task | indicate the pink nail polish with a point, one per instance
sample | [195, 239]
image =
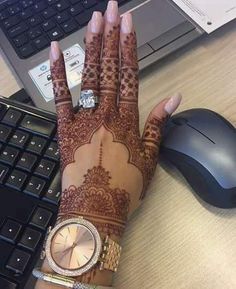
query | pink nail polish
[126, 23]
[96, 22]
[55, 50]
[112, 11]
[173, 103]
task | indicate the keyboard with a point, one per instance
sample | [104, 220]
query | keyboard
[29, 188]
[30, 25]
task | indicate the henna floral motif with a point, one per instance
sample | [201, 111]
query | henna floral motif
[95, 199]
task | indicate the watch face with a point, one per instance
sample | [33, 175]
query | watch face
[72, 246]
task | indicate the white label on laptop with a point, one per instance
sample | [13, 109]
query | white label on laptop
[209, 14]
[74, 61]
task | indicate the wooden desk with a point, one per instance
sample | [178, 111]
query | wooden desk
[174, 241]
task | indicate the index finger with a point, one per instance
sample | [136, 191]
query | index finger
[63, 100]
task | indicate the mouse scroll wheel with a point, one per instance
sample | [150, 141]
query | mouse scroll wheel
[179, 121]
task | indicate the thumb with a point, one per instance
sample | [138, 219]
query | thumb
[156, 121]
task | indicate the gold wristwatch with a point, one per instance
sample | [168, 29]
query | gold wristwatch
[75, 246]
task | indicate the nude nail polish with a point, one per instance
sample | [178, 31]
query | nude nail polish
[173, 103]
[96, 22]
[126, 23]
[112, 11]
[55, 50]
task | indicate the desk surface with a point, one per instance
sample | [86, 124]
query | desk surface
[174, 241]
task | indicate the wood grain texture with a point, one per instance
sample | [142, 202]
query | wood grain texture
[175, 241]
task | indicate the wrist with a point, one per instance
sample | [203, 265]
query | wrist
[95, 276]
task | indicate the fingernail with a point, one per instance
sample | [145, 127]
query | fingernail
[96, 22]
[173, 103]
[126, 23]
[55, 50]
[112, 11]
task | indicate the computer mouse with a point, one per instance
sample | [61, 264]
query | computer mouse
[201, 144]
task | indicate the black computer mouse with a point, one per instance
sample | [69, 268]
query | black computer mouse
[202, 145]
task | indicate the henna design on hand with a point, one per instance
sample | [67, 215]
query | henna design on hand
[96, 200]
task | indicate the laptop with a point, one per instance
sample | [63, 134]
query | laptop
[28, 26]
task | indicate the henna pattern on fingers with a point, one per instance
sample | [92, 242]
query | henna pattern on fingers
[91, 71]
[109, 79]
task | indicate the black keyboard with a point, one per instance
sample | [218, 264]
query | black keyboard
[29, 188]
[30, 25]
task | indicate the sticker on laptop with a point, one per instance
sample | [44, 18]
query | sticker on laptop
[74, 61]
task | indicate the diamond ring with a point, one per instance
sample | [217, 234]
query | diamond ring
[88, 99]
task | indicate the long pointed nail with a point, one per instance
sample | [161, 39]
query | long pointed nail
[96, 22]
[112, 11]
[55, 50]
[126, 23]
[173, 103]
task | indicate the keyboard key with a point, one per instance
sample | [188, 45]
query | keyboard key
[18, 261]
[37, 125]
[88, 3]
[41, 42]
[6, 284]
[27, 3]
[45, 168]
[30, 239]
[10, 231]
[19, 138]
[4, 15]
[52, 151]
[55, 34]
[26, 13]
[62, 5]
[11, 2]
[49, 13]
[74, 1]
[18, 29]
[38, 7]
[34, 32]
[48, 25]
[14, 9]
[69, 26]
[35, 20]
[27, 50]
[3, 172]
[16, 179]
[53, 193]
[9, 155]
[20, 40]
[35, 186]
[62, 17]
[26, 162]
[36, 145]
[41, 218]
[101, 6]
[76, 9]
[11, 21]
[4, 132]
[12, 117]
[51, 2]
[3, 109]
[84, 18]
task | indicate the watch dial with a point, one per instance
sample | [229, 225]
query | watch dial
[72, 246]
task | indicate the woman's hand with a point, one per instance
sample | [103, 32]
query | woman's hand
[106, 165]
